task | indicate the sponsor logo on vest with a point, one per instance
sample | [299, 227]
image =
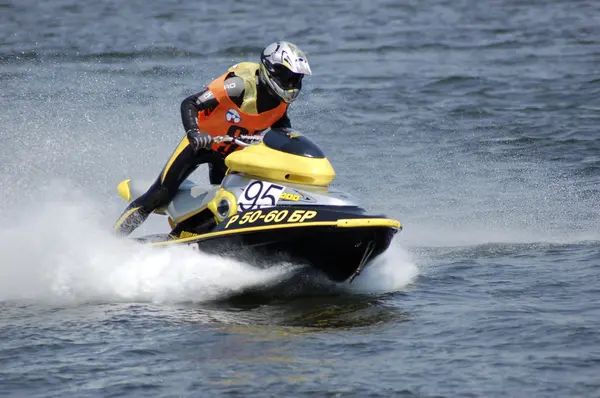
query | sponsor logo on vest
[233, 116]
[208, 94]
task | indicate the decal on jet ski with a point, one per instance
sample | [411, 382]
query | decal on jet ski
[290, 196]
[259, 195]
[186, 234]
[295, 196]
[304, 197]
[271, 217]
[302, 215]
[293, 134]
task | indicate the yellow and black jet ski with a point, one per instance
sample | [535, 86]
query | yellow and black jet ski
[275, 200]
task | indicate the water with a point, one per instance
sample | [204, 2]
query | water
[473, 123]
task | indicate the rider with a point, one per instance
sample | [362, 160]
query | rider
[246, 100]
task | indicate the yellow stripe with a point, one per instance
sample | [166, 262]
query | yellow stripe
[346, 223]
[124, 217]
[368, 222]
[182, 145]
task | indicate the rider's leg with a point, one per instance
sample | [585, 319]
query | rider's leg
[217, 170]
[180, 165]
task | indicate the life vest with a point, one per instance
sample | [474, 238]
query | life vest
[229, 119]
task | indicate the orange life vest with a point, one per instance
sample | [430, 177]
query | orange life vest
[229, 119]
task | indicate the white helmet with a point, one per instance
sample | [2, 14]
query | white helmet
[282, 67]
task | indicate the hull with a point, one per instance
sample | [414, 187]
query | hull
[339, 244]
[339, 254]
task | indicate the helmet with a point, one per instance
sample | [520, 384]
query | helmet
[282, 67]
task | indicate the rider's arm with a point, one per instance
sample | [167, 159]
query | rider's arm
[192, 105]
[206, 101]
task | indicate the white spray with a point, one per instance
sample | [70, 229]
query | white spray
[62, 250]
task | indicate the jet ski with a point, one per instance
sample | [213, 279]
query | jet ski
[276, 202]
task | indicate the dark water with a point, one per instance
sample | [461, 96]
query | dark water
[474, 123]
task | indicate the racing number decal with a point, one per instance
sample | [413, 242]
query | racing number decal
[259, 195]
[272, 217]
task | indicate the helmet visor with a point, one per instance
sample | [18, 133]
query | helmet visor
[286, 78]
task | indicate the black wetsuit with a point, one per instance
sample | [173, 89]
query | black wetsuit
[182, 164]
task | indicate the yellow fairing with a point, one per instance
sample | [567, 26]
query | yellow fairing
[263, 162]
[223, 194]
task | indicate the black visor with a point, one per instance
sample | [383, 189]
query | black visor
[286, 78]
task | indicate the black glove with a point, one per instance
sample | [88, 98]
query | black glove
[199, 140]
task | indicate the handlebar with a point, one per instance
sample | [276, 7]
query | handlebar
[238, 140]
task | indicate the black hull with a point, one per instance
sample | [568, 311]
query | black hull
[339, 253]
[339, 242]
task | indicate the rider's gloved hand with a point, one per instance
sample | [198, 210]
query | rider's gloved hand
[199, 140]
